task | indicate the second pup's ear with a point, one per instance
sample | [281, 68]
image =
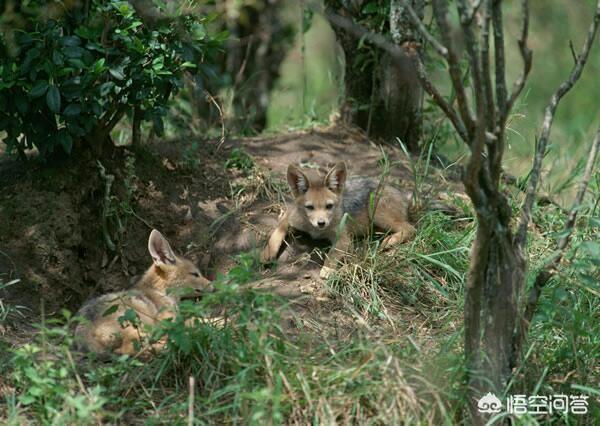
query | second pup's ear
[160, 250]
[336, 178]
[297, 180]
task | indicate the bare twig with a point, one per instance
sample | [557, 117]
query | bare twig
[437, 46]
[501, 93]
[573, 54]
[527, 59]
[440, 101]
[108, 181]
[485, 67]
[521, 237]
[211, 98]
[440, 12]
[476, 164]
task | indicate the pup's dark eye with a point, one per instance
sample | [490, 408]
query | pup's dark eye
[195, 274]
[329, 206]
[310, 207]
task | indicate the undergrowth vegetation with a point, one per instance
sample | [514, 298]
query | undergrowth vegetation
[237, 355]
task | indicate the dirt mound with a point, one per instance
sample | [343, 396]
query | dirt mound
[52, 220]
[52, 223]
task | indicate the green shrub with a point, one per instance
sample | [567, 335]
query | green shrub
[71, 79]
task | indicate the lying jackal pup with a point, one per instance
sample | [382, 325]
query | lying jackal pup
[320, 203]
[148, 298]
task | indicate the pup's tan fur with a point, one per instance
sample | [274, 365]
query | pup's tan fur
[102, 333]
[321, 202]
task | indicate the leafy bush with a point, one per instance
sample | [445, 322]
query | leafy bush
[72, 79]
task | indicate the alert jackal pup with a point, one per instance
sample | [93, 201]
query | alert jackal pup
[321, 202]
[103, 333]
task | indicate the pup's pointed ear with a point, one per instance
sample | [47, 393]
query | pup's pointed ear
[336, 178]
[297, 180]
[160, 250]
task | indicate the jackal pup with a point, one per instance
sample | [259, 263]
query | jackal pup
[103, 333]
[321, 202]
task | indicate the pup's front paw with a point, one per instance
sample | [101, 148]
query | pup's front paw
[326, 272]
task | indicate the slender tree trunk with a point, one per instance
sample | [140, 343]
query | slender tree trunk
[494, 283]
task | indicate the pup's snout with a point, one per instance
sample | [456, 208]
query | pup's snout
[321, 223]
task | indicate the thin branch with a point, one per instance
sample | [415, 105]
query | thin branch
[440, 11]
[440, 100]
[501, 92]
[550, 267]
[437, 46]
[108, 181]
[211, 98]
[521, 237]
[526, 54]
[476, 165]
[573, 54]
[485, 67]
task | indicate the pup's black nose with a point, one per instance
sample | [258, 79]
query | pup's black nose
[321, 223]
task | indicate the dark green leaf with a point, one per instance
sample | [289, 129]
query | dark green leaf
[70, 41]
[105, 88]
[130, 316]
[53, 99]
[72, 110]
[73, 51]
[22, 104]
[57, 58]
[117, 73]
[39, 89]
[77, 63]
[110, 310]
[65, 140]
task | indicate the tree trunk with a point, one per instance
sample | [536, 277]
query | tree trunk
[358, 84]
[399, 107]
[496, 273]
[384, 97]
[495, 280]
